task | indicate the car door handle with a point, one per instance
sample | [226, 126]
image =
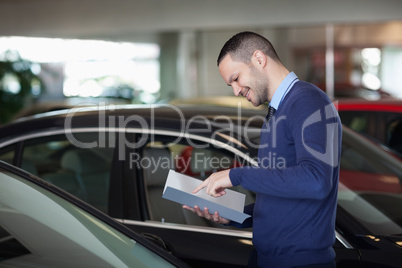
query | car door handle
[159, 242]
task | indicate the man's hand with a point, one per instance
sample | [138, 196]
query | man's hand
[216, 183]
[205, 214]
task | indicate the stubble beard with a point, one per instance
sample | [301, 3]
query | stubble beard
[260, 87]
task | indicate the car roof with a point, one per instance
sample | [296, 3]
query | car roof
[162, 110]
[383, 105]
[227, 101]
[164, 116]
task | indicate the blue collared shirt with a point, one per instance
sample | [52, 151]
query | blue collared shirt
[283, 89]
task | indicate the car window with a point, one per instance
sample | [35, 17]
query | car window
[394, 135]
[40, 229]
[358, 121]
[83, 172]
[187, 158]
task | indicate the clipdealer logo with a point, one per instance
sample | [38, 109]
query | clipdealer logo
[112, 125]
[331, 154]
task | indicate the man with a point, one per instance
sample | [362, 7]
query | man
[293, 218]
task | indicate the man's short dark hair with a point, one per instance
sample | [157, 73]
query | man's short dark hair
[242, 46]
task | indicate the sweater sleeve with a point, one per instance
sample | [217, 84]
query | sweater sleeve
[315, 130]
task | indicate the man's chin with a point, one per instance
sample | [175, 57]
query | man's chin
[255, 104]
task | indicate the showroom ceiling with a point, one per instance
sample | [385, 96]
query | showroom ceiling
[111, 18]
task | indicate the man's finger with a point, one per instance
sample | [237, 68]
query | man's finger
[216, 216]
[202, 185]
[206, 214]
[199, 212]
[188, 208]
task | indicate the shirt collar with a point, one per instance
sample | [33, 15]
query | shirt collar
[283, 89]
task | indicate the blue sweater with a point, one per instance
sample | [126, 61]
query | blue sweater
[296, 182]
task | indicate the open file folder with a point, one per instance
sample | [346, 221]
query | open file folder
[179, 187]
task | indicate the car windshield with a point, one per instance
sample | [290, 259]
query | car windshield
[370, 185]
[39, 228]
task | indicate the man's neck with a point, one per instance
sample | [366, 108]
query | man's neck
[276, 76]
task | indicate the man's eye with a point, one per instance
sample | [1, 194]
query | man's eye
[237, 78]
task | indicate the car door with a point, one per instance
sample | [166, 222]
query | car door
[98, 167]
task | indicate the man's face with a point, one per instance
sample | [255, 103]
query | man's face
[245, 79]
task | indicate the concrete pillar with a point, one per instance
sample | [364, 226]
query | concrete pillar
[168, 43]
[187, 65]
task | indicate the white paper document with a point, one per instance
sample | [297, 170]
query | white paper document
[179, 187]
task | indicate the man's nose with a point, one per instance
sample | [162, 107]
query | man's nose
[236, 90]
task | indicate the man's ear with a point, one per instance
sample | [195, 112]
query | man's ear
[260, 58]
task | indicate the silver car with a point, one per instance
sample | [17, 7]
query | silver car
[42, 226]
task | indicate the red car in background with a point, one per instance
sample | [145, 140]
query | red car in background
[380, 119]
